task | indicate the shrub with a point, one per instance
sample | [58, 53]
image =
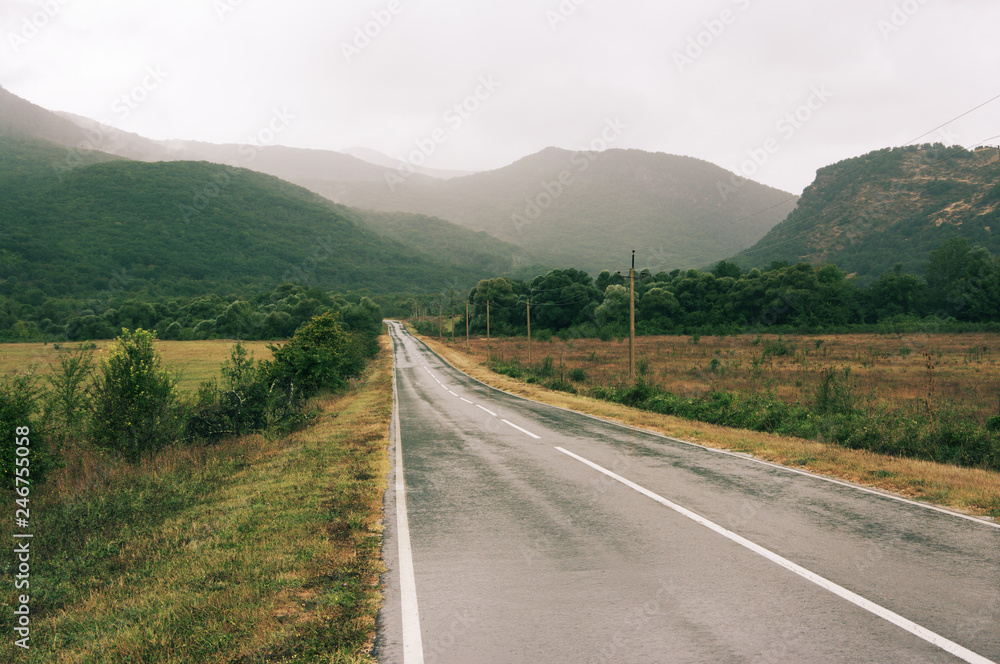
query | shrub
[20, 405]
[245, 401]
[68, 402]
[135, 410]
[318, 356]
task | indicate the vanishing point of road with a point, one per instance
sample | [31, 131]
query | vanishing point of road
[521, 532]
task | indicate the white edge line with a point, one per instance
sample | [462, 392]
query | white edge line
[746, 457]
[509, 423]
[844, 593]
[452, 393]
[465, 400]
[487, 410]
[413, 649]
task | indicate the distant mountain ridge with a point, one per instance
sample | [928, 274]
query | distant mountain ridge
[589, 210]
[111, 221]
[384, 160]
[890, 206]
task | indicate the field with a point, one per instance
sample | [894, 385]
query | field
[252, 549]
[915, 371]
[895, 372]
[191, 361]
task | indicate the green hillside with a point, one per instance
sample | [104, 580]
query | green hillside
[589, 210]
[185, 228]
[890, 206]
[474, 249]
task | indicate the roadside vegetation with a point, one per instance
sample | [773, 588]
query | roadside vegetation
[918, 414]
[239, 522]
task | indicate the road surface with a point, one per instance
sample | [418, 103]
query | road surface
[533, 534]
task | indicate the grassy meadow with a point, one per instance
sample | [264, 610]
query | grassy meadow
[263, 548]
[918, 372]
[961, 370]
[191, 362]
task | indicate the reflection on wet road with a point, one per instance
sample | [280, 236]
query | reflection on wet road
[541, 535]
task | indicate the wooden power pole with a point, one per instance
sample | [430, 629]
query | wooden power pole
[529, 330]
[631, 320]
[466, 326]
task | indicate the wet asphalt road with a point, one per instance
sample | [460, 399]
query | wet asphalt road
[524, 553]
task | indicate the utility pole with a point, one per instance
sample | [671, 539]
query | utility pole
[487, 325]
[440, 319]
[451, 296]
[466, 326]
[631, 320]
[529, 329]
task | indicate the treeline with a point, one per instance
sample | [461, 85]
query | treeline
[960, 287]
[274, 315]
[128, 405]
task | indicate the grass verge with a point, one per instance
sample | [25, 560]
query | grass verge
[969, 490]
[258, 549]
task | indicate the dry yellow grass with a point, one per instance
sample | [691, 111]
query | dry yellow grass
[968, 490]
[262, 548]
[191, 361]
[898, 370]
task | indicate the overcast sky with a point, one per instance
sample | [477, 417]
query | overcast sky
[795, 85]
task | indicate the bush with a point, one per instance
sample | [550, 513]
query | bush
[135, 410]
[20, 405]
[319, 356]
[245, 401]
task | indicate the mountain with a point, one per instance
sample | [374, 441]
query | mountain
[186, 228]
[437, 237]
[586, 210]
[590, 210]
[384, 160]
[890, 206]
[22, 119]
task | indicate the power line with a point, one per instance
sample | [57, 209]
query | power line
[842, 175]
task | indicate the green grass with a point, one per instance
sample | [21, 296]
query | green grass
[252, 550]
[192, 362]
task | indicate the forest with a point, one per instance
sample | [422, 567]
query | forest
[960, 289]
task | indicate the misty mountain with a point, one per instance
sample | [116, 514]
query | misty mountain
[890, 206]
[20, 118]
[186, 228]
[384, 160]
[589, 210]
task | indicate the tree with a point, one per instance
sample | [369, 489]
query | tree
[134, 399]
[727, 269]
[614, 309]
[317, 357]
[20, 406]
